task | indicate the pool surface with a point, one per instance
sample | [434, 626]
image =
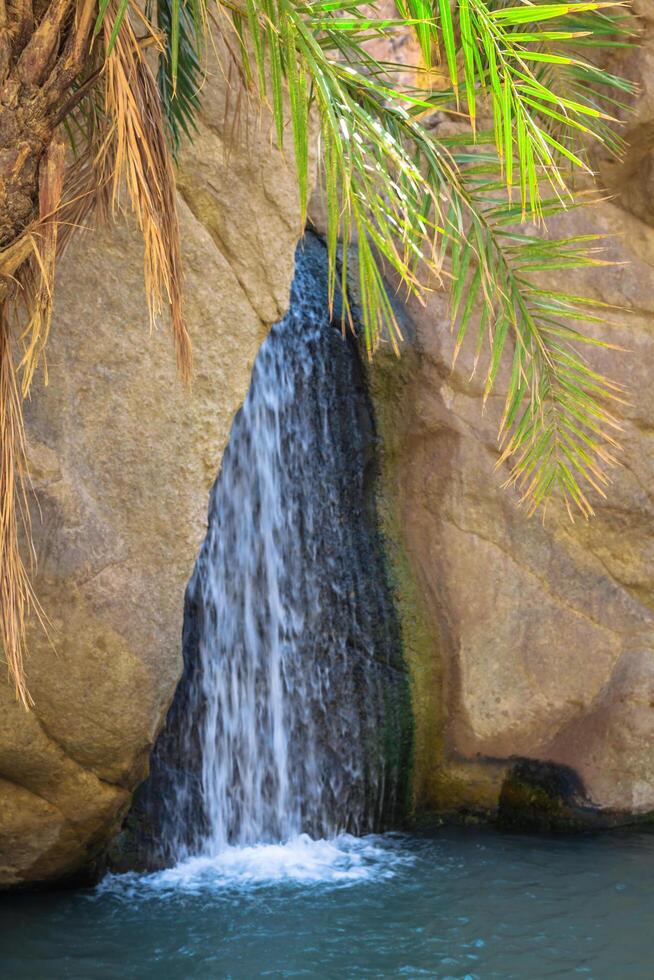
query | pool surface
[462, 904]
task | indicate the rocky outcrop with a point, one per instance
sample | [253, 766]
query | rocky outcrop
[529, 640]
[122, 460]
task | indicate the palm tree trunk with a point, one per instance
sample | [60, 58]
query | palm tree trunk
[40, 57]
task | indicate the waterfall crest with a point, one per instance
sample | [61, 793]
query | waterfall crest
[292, 716]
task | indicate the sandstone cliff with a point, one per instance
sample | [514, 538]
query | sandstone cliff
[122, 462]
[530, 640]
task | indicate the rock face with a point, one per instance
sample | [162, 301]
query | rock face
[528, 641]
[122, 462]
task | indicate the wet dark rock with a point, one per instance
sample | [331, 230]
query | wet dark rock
[359, 719]
[549, 797]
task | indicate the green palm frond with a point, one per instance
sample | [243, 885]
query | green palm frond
[180, 74]
[525, 57]
[561, 417]
[404, 201]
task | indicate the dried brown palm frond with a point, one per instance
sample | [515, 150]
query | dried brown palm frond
[115, 106]
[15, 590]
[42, 52]
[26, 280]
[35, 277]
[136, 152]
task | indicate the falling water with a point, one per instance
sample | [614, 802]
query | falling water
[292, 714]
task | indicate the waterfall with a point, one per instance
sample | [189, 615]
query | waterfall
[292, 716]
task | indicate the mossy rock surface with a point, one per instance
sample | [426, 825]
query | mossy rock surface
[550, 798]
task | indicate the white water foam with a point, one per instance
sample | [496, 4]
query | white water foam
[342, 861]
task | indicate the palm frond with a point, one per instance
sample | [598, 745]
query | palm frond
[16, 596]
[179, 76]
[416, 205]
[403, 199]
[136, 152]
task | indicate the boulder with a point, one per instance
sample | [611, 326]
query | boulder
[122, 460]
[528, 639]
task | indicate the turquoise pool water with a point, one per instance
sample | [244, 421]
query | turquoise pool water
[463, 904]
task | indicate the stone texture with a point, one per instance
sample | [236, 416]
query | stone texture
[611, 745]
[122, 462]
[632, 179]
[526, 639]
